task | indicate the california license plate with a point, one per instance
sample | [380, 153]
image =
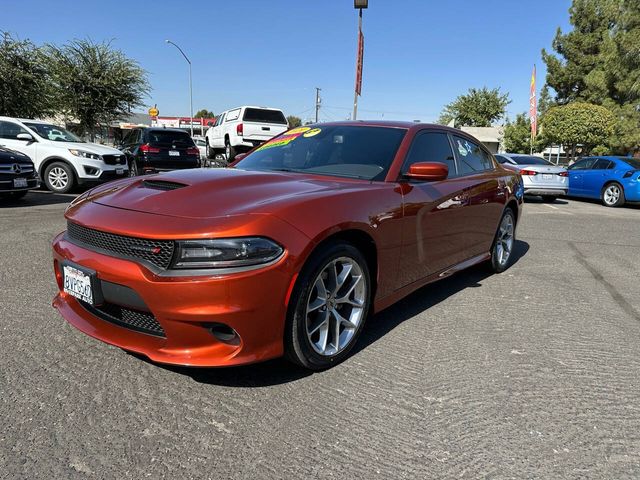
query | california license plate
[119, 171]
[78, 284]
[20, 183]
[547, 176]
[174, 153]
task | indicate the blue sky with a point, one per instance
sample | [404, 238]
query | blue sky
[419, 54]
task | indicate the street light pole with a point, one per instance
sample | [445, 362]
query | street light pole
[190, 86]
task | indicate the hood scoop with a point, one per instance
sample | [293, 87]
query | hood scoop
[162, 185]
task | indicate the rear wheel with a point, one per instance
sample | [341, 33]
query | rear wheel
[229, 151]
[612, 195]
[59, 178]
[328, 308]
[548, 198]
[502, 249]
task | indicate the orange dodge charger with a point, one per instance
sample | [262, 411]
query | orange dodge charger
[290, 250]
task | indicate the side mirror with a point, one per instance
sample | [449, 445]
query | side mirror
[27, 137]
[428, 171]
[239, 157]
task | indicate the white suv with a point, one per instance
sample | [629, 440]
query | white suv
[240, 129]
[62, 159]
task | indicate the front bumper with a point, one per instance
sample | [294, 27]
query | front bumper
[252, 303]
[6, 186]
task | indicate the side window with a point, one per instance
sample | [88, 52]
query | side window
[431, 147]
[10, 130]
[232, 115]
[584, 164]
[471, 158]
[602, 164]
[220, 119]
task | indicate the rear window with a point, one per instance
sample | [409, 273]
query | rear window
[264, 116]
[529, 160]
[169, 136]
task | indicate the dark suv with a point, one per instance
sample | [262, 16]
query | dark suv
[17, 174]
[151, 150]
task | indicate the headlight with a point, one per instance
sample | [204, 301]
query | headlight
[83, 154]
[225, 252]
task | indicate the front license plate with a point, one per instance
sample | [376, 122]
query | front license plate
[78, 284]
[119, 171]
[174, 153]
[20, 183]
[547, 176]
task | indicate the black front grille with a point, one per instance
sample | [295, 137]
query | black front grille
[156, 252]
[136, 320]
[113, 159]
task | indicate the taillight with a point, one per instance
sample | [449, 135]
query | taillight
[239, 129]
[528, 172]
[146, 148]
[563, 174]
[193, 151]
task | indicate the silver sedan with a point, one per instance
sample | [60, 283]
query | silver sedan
[539, 176]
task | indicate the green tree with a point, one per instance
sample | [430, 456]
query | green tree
[95, 83]
[578, 123]
[599, 62]
[477, 108]
[204, 113]
[25, 87]
[517, 135]
[294, 121]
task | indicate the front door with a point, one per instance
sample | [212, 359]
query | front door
[8, 138]
[577, 173]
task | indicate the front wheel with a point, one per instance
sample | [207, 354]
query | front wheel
[613, 195]
[502, 249]
[59, 178]
[328, 308]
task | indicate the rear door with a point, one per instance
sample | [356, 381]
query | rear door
[170, 150]
[577, 173]
[484, 193]
[262, 124]
[595, 178]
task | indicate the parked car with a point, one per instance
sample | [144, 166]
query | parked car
[17, 174]
[613, 180]
[540, 177]
[288, 251]
[157, 149]
[61, 159]
[202, 146]
[240, 129]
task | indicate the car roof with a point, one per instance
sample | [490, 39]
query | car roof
[392, 124]
[30, 120]
[252, 106]
[163, 129]
[608, 157]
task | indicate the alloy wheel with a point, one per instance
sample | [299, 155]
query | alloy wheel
[504, 241]
[58, 178]
[336, 305]
[612, 195]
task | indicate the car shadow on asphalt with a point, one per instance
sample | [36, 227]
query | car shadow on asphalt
[279, 371]
[37, 197]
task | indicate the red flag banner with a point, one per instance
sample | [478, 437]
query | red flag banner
[359, 63]
[533, 105]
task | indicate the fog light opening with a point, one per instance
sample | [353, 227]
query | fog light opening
[224, 333]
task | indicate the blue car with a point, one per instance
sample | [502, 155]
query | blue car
[614, 180]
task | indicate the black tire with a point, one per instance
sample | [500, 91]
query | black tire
[548, 198]
[133, 168]
[229, 151]
[18, 195]
[210, 151]
[609, 199]
[59, 177]
[497, 263]
[298, 347]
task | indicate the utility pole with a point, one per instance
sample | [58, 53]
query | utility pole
[318, 100]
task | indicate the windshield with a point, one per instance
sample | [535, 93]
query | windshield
[53, 132]
[529, 160]
[336, 150]
[632, 162]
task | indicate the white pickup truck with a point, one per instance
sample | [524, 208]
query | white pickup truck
[240, 129]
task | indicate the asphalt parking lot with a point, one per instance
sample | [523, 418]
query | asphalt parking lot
[534, 373]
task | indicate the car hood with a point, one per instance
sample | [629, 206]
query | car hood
[8, 155]
[209, 193]
[88, 147]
